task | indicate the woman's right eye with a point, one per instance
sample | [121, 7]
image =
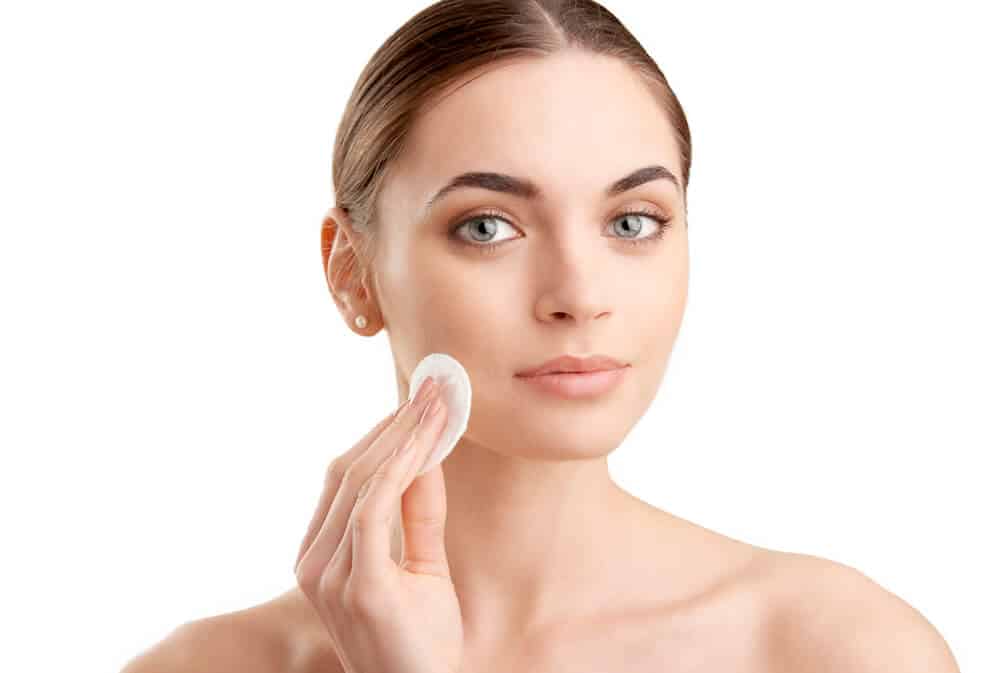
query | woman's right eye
[482, 227]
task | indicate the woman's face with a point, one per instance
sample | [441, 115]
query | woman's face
[568, 275]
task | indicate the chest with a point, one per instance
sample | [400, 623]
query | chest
[726, 630]
[690, 647]
[702, 643]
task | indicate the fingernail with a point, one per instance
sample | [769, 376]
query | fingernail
[425, 389]
[434, 410]
[428, 411]
[439, 408]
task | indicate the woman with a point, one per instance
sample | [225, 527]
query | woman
[511, 181]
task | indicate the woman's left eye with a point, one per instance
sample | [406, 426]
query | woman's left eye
[636, 215]
[662, 224]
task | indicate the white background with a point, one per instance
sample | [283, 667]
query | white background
[174, 376]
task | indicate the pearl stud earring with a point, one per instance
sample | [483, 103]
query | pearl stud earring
[361, 322]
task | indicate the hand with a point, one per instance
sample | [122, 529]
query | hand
[385, 617]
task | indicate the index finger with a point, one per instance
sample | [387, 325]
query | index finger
[330, 488]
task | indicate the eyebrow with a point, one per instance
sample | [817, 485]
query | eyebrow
[524, 188]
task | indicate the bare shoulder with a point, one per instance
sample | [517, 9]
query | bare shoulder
[830, 616]
[245, 640]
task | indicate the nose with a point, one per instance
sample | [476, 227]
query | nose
[575, 298]
[575, 290]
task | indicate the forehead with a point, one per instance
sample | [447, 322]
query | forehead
[573, 122]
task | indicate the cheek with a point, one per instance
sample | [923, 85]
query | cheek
[474, 309]
[657, 290]
[413, 281]
[655, 317]
[673, 284]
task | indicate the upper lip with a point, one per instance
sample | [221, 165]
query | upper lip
[570, 363]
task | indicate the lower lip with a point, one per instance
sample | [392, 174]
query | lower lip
[577, 385]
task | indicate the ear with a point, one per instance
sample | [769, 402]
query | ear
[346, 277]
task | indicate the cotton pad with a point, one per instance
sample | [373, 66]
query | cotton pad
[455, 392]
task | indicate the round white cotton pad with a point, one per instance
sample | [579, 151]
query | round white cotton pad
[456, 393]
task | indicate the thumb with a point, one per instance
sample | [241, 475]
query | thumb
[423, 511]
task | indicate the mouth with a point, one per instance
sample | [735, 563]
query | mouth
[572, 364]
[577, 385]
[592, 371]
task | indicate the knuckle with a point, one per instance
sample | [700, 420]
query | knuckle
[306, 578]
[376, 478]
[362, 522]
[330, 588]
[364, 599]
[371, 483]
[337, 560]
[335, 470]
[353, 479]
[431, 525]
[367, 517]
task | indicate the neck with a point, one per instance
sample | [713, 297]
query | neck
[530, 540]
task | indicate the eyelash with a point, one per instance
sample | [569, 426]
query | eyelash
[487, 248]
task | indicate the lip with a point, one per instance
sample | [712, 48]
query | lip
[574, 364]
[577, 385]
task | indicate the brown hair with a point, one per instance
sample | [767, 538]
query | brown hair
[443, 42]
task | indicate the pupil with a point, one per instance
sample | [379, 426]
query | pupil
[481, 228]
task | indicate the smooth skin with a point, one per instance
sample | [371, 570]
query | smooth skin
[383, 615]
[554, 566]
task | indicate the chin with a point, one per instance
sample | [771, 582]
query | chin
[538, 434]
